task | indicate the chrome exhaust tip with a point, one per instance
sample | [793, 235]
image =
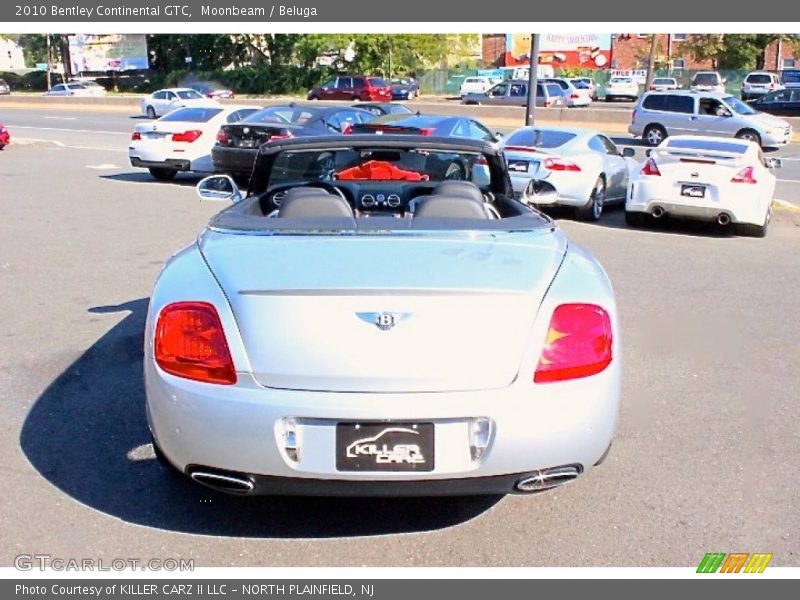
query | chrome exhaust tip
[547, 479]
[658, 212]
[229, 483]
[723, 219]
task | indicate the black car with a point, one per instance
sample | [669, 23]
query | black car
[784, 103]
[380, 109]
[237, 143]
[404, 88]
[212, 90]
[4, 87]
[429, 125]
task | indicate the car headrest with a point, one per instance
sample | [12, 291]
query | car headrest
[304, 191]
[320, 204]
[459, 188]
[450, 207]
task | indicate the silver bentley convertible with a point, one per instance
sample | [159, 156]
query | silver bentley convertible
[380, 316]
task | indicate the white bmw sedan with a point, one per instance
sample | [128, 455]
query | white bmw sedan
[578, 168]
[183, 139]
[705, 178]
[163, 101]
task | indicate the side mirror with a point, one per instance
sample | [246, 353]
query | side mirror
[774, 163]
[628, 152]
[498, 135]
[218, 187]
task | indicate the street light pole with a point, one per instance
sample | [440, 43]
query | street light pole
[533, 77]
[47, 36]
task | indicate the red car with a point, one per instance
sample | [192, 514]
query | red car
[354, 88]
[5, 137]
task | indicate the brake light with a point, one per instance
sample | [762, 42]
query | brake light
[574, 96]
[547, 103]
[187, 136]
[136, 136]
[280, 136]
[190, 343]
[223, 137]
[427, 131]
[744, 176]
[650, 168]
[560, 164]
[578, 343]
[347, 129]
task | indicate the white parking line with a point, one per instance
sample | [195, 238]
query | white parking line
[62, 118]
[10, 126]
[788, 180]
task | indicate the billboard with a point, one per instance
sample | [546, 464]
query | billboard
[116, 52]
[582, 50]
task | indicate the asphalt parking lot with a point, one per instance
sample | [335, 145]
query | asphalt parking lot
[704, 459]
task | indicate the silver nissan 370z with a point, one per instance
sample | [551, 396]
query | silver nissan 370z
[379, 316]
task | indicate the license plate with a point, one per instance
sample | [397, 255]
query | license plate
[384, 447]
[518, 166]
[693, 191]
[247, 143]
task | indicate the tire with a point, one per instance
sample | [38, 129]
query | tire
[749, 134]
[163, 174]
[756, 231]
[637, 219]
[594, 208]
[151, 112]
[653, 135]
[609, 98]
[356, 99]
[314, 99]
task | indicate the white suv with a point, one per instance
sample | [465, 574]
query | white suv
[759, 83]
[707, 81]
[661, 114]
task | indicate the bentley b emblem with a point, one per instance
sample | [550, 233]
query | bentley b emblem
[383, 321]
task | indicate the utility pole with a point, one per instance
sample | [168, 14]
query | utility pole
[651, 62]
[47, 36]
[533, 77]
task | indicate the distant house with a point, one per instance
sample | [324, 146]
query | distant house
[11, 56]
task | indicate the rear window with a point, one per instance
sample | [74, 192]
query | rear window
[377, 82]
[706, 79]
[553, 90]
[762, 78]
[189, 95]
[621, 80]
[192, 115]
[581, 85]
[791, 77]
[730, 147]
[662, 81]
[473, 80]
[539, 138]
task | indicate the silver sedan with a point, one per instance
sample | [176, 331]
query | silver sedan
[578, 168]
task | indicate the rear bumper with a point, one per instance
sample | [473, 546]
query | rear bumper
[170, 163]
[234, 160]
[5, 139]
[295, 486]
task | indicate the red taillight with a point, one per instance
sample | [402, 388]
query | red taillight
[136, 136]
[547, 103]
[187, 136]
[347, 129]
[578, 343]
[285, 135]
[427, 131]
[652, 87]
[560, 164]
[744, 176]
[190, 343]
[650, 168]
[574, 96]
[223, 137]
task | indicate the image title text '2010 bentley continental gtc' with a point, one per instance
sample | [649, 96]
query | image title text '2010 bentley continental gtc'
[380, 316]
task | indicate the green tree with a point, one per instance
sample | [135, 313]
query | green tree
[734, 51]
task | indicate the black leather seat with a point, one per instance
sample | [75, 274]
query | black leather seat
[459, 188]
[311, 203]
[450, 207]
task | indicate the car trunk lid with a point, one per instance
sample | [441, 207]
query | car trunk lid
[385, 313]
